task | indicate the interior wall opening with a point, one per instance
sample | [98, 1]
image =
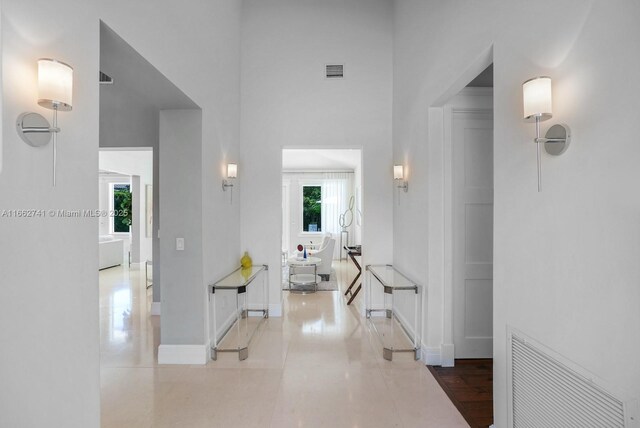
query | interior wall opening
[125, 191]
[467, 154]
[469, 118]
[150, 150]
[321, 216]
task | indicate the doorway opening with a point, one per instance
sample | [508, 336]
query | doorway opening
[467, 152]
[470, 141]
[125, 189]
[321, 217]
[149, 131]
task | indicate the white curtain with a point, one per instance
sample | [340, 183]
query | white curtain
[337, 188]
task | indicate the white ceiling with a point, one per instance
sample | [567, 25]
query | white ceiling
[320, 159]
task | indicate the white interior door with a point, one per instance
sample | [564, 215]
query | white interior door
[472, 209]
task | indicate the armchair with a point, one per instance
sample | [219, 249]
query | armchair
[315, 246]
[325, 253]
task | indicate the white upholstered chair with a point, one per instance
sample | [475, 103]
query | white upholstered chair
[325, 253]
[315, 247]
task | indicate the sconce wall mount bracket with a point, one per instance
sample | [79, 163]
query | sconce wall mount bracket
[34, 129]
[226, 183]
[557, 139]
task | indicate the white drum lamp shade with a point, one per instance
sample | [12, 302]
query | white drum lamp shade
[232, 170]
[398, 172]
[536, 94]
[55, 85]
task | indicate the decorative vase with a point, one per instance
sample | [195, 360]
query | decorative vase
[246, 261]
[246, 273]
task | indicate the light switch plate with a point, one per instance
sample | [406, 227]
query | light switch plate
[180, 244]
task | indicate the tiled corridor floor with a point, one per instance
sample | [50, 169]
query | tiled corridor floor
[317, 366]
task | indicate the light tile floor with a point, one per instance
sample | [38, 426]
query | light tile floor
[317, 366]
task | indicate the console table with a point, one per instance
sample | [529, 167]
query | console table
[345, 242]
[398, 321]
[354, 252]
[240, 283]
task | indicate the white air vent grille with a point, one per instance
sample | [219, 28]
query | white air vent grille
[334, 71]
[546, 393]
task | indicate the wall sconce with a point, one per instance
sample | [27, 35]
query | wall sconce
[232, 174]
[537, 102]
[55, 90]
[398, 174]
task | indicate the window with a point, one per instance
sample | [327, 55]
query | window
[312, 208]
[121, 208]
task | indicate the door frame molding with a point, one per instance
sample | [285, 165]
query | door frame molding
[438, 331]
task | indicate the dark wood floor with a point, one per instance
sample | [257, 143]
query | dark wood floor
[469, 385]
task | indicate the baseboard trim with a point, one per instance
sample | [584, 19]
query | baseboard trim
[207, 348]
[155, 308]
[432, 355]
[275, 310]
[182, 354]
[421, 355]
[448, 355]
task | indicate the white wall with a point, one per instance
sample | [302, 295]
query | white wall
[49, 364]
[286, 101]
[183, 295]
[565, 260]
[200, 54]
[126, 120]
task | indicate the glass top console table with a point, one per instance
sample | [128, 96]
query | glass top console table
[396, 318]
[234, 325]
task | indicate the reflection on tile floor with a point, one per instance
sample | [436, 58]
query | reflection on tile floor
[318, 366]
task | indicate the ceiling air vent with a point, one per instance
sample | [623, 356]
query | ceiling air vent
[105, 80]
[334, 71]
